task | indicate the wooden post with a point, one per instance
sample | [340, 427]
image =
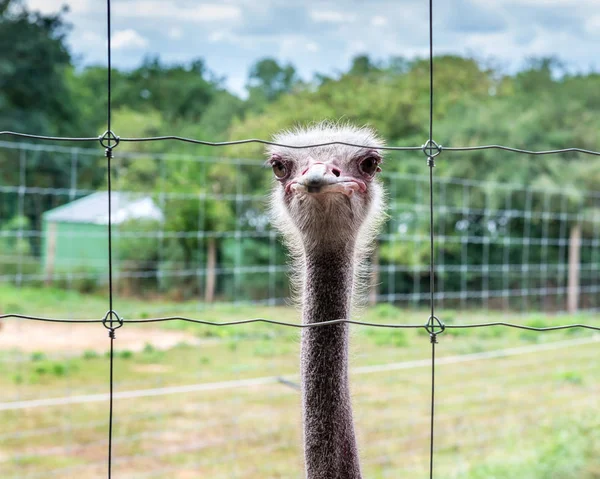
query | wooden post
[211, 264]
[50, 251]
[574, 260]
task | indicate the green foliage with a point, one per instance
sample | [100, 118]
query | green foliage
[458, 332]
[387, 311]
[37, 96]
[268, 80]
[34, 95]
[84, 281]
[492, 333]
[16, 255]
[572, 453]
[540, 107]
[572, 377]
[139, 252]
[90, 354]
[11, 242]
[392, 98]
[533, 336]
[179, 92]
[59, 369]
[385, 337]
[37, 356]
[125, 354]
[45, 369]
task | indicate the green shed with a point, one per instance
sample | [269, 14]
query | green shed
[75, 235]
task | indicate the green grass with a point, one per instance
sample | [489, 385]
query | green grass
[532, 416]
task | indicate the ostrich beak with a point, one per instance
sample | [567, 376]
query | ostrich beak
[324, 178]
[316, 177]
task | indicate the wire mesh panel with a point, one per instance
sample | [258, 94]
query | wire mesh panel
[192, 233]
[188, 233]
[231, 408]
[180, 247]
[482, 263]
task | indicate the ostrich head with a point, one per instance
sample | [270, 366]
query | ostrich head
[327, 197]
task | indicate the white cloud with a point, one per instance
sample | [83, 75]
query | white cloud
[172, 11]
[214, 13]
[592, 25]
[128, 40]
[312, 47]
[547, 3]
[356, 47]
[88, 39]
[331, 16]
[322, 36]
[378, 21]
[225, 36]
[237, 83]
[175, 33]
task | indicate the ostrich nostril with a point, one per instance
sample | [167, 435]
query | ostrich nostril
[336, 172]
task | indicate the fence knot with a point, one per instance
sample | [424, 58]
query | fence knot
[434, 327]
[431, 149]
[110, 318]
[106, 139]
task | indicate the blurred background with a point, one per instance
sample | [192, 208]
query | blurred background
[517, 236]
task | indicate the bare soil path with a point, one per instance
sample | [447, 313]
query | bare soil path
[30, 336]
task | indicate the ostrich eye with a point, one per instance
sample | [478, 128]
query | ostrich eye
[369, 165]
[279, 169]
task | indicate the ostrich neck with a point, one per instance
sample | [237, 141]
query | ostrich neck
[329, 442]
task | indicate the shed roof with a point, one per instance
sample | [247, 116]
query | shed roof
[94, 209]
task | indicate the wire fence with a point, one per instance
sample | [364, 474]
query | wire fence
[163, 433]
[501, 246]
[433, 326]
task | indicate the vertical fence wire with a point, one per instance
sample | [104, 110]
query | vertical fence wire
[110, 271]
[109, 157]
[433, 322]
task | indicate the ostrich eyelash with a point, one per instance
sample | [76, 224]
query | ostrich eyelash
[373, 154]
[284, 167]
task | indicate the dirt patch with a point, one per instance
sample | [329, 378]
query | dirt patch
[30, 336]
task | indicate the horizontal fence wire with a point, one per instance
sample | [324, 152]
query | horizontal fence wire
[441, 148]
[123, 321]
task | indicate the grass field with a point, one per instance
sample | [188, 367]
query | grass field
[528, 409]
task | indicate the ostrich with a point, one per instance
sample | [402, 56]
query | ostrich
[328, 205]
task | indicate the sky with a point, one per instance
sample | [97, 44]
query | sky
[323, 36]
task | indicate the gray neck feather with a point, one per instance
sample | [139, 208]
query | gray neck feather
[330, 445]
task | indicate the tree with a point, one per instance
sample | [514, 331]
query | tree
[362, 65]
[177, 92]
[268, 80]
[34, 95]
[392, 98]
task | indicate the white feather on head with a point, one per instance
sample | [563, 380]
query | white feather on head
[371, 219]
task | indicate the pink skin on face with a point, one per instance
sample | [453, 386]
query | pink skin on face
[325, 178]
